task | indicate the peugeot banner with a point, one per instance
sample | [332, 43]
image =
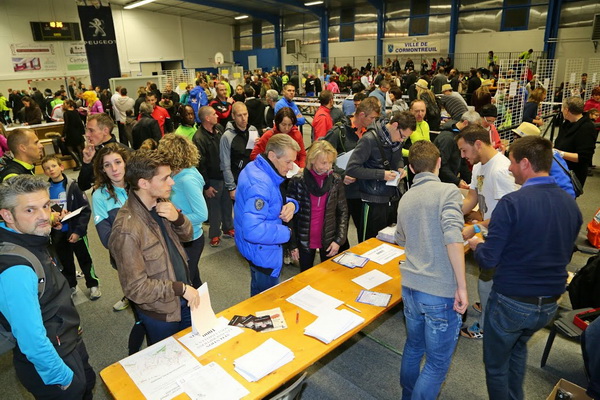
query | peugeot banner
[100, 41]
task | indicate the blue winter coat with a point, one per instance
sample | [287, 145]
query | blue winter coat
[259, 232]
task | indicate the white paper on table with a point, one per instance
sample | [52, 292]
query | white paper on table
[512, 91]
[342, 159]
[156, 369]
[371, 279]
[394, 182]
[219, 334]
[72, 214]
[212, 382]
[383, 254]
[294, 171]
[333, 324]
[276, 317]
[203, 316]
[252, 136]
[314, 301]
[263, 360]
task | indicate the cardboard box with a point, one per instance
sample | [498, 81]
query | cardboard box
[577, 391]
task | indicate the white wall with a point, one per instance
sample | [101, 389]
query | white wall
[574, 43]
[144, 36]
[15, 29]
[141, 37]
[500, 41]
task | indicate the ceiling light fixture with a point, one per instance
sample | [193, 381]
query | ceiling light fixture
[313, 3]
[137, 4]
[241, 17]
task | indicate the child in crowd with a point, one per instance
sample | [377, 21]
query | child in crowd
[322, 221]
[71, 237]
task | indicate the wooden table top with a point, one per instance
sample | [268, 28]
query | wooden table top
[328, 277]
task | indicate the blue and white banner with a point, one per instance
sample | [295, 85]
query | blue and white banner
[413, 46]
[100, 41]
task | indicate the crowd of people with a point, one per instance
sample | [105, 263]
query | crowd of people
[237, 158]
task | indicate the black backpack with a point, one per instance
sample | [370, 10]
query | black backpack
[7, 340]
[584, 289]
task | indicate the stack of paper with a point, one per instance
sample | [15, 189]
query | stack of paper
[332, 324]
[212, 382]
[351, 260]
[387, 234]
[263, 360]
[314, 301]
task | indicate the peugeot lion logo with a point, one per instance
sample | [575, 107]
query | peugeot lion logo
[97, 25]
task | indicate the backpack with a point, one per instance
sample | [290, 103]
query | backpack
[7, 340]
[593, 230]
[584, 289]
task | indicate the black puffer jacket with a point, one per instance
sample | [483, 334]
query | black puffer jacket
[335, 227]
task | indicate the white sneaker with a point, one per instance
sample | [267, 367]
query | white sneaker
[95, 293]
[79, 274]
[121, 304]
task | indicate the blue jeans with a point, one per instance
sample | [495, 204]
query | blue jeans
[509, 324]
[157, 330]
[432, 328]
[260, 281]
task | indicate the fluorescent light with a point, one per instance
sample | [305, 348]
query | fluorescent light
[137, 4]
[241, 17]
[313, 3]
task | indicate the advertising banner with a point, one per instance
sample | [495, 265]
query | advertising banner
[100, 41]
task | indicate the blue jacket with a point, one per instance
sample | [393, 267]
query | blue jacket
[283, 102]
[106, 210]
[197, 99]
[188, 196]
[259, 232]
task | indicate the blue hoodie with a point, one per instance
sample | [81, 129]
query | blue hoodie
[197, 99]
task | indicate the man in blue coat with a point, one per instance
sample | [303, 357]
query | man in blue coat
[261, 214]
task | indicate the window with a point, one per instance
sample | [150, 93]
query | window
[347, 25]
[419, 18]
[515, 16]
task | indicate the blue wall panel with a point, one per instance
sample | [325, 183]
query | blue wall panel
[266, 58]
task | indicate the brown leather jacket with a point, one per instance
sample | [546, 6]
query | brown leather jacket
[145, 269]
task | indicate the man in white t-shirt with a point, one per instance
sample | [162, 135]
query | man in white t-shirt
[490, 181]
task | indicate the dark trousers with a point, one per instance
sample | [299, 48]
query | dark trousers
[220, 210]
[307, 257]
[377, 216]
[194, 250]
[138, 331]
[84, 377]
[65, 251]
[157, 330]
[123, 134]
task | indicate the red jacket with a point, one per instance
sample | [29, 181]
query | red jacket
[322, 122]
[261, 145]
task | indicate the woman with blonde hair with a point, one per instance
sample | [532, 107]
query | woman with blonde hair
[530, 110]
[187, 194]
[322, 221]
[432, 110]
[93, 103]
[482, 95]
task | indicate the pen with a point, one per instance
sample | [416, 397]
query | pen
[297, 316]
[352, 308]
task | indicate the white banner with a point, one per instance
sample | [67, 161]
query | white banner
[413, 46]
[29, 49]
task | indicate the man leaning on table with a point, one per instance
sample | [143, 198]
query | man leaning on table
[261, 209]
[434, 288]
[530, 242]
[146, 245]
